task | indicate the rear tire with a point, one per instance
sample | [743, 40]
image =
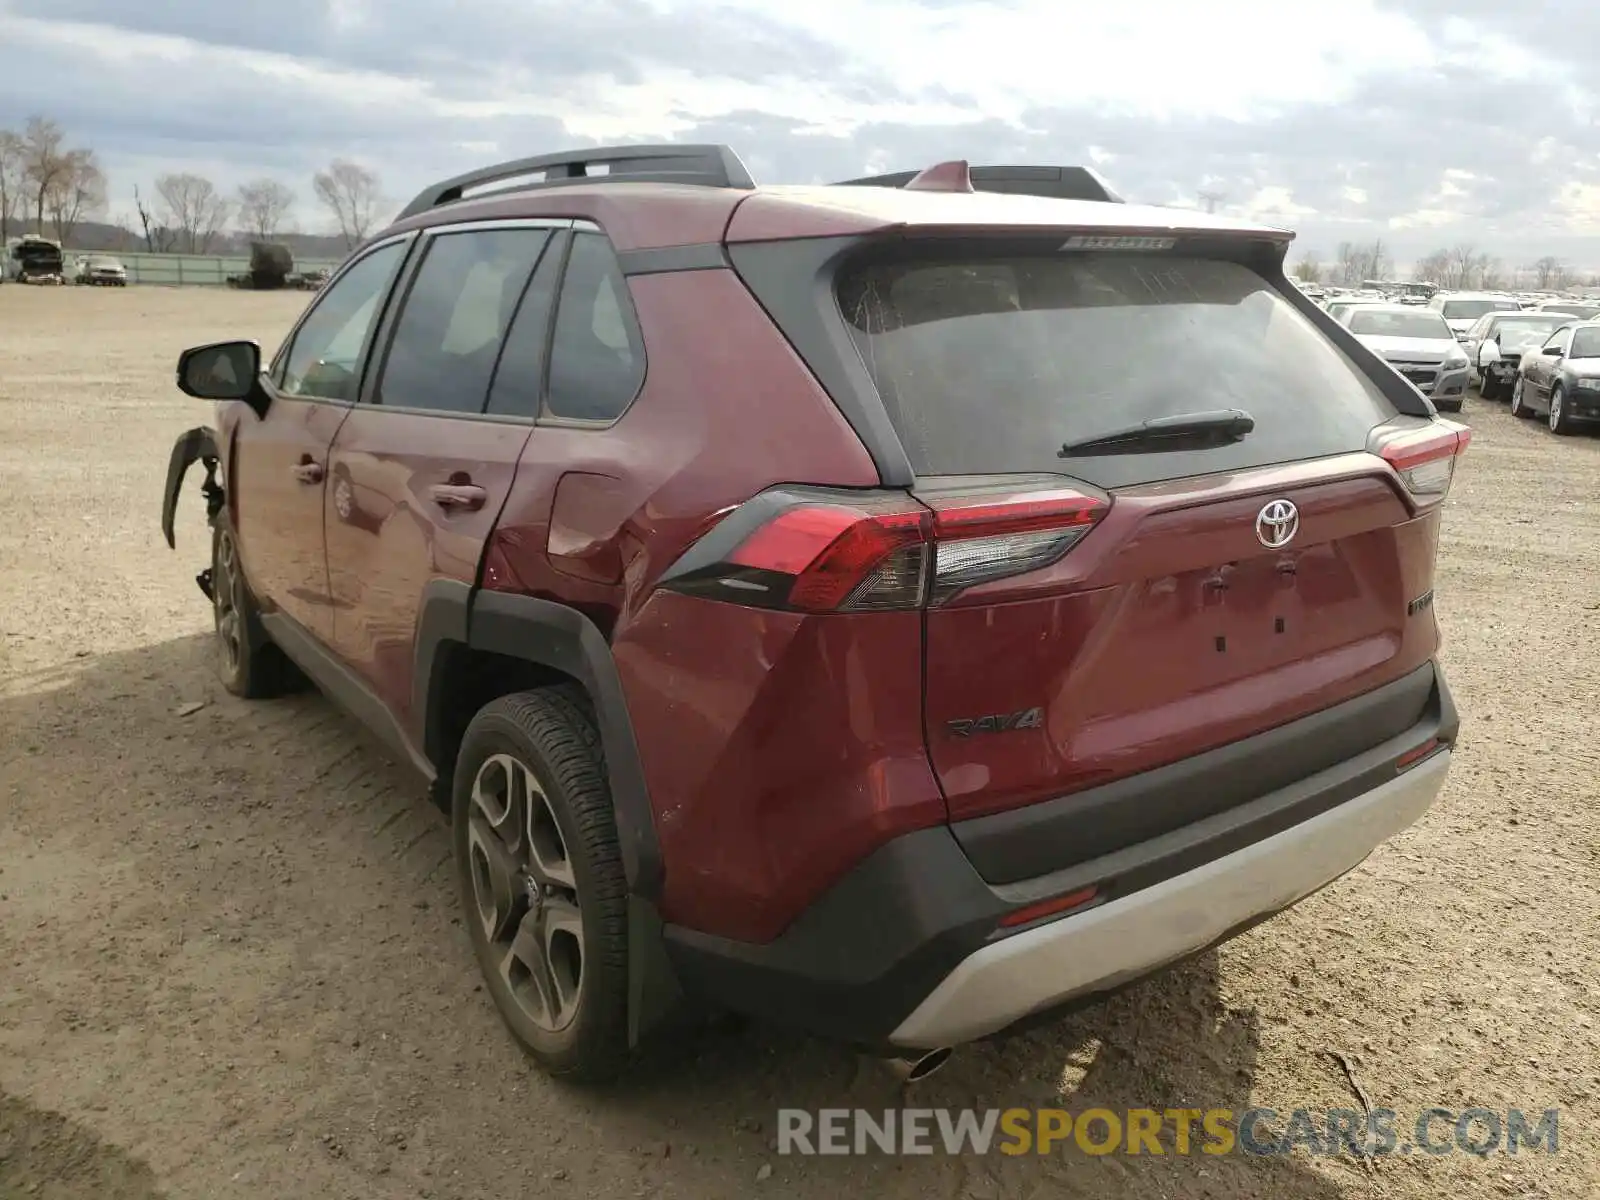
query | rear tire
[248, 663]
[542, 882]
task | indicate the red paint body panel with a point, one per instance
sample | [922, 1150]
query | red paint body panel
[717, 421]
[781, 749]
[277, 515]
[596, 515]
[393, 537]
[1158, 637]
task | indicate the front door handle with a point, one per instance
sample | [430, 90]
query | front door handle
[307, 471]
[466, 496]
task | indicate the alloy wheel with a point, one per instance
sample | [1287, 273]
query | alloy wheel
[1555, 411]
[1516, 397]
[525, 892]
[225, 601]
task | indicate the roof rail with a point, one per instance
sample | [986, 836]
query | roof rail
[1060, 183]
[709, 165]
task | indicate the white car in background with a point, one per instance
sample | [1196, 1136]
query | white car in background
[1461, 309]
[1341, 308]
[1417, 343]
[1496, 343]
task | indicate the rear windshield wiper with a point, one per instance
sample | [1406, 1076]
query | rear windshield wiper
[1181, 431]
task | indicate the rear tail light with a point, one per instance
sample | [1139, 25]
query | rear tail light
[1424, 458]
[865, 553]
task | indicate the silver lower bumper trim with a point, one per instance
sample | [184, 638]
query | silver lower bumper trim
[1124, 939]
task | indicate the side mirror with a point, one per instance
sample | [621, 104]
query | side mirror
[1488, 352]
[223, 371]
[1552, 351]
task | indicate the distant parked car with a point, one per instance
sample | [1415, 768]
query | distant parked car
[1496, 342]
[1461, 309]
[1571, 308]
[100, 270]
[1561, 379]
[1419, 345]
[1341, 308]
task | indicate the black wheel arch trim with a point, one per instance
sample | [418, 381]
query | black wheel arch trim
[562, 638]
[195, 445]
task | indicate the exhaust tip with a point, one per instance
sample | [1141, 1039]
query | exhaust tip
[920, 1066]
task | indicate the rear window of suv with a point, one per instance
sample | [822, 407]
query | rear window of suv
[1460, 310]
[989, 364]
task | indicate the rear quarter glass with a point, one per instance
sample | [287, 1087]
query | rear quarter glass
[988, 363]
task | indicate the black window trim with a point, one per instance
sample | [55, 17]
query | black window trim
[551, 420]
[384, 337]
[270, 378]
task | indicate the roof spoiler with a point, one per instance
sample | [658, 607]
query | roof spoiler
[1059, 183]
[709, 165]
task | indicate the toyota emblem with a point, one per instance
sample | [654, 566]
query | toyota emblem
[1277, 523]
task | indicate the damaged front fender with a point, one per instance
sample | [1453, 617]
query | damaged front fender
[197, 445]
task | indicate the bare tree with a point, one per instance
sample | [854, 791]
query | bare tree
[1492, 273]
[1346, 263]
[1463, 264]
[263, 204]
[351, 193]
[193, 209]
[1545, 271]
[158, 236]
[1435, 268]
[79, 191]
[45, 160]
[1356, 262]
[11, 181]
[1308, 269]
[1378, 264]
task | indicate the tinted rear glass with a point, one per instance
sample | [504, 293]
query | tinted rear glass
[987, 365]
[1401, 325]
[1460, 310]
[1517, 334]
[1584, 312]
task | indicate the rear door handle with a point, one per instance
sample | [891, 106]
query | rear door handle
[467, 496]
[307, 472]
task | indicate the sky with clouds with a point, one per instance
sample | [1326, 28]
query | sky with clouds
[1427, 122]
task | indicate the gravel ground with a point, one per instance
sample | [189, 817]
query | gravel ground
[230, 964]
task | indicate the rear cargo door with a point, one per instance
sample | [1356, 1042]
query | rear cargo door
[1217, 586]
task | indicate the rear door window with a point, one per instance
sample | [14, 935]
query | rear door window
[988, 365]
[448, 337]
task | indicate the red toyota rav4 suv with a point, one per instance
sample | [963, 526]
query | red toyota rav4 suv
[897, 608]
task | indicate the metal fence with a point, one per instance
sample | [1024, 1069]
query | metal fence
[184, 270]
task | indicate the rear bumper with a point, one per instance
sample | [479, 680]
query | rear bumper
[1128, 938]
[907, 951]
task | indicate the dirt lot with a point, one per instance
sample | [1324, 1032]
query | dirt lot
[230, 964]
